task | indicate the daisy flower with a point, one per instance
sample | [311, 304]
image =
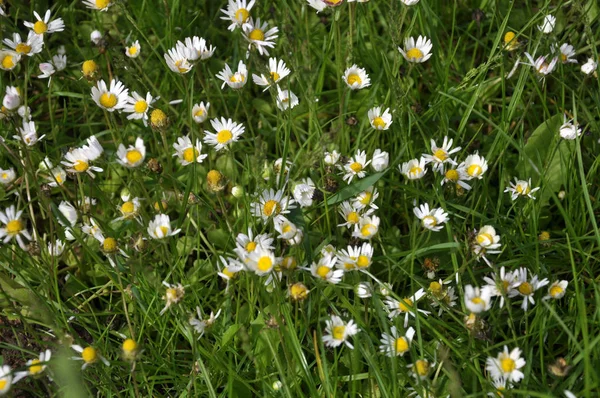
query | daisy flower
[366, 198]
[501, 285]
[394, 344]
[457, 177]
[259, 35]
[420, 369]
[33, 45]
[521, 188]
[588, 68]
[477, 300]
[230, 268]
[567, 54]
[350, 213]
[355, 167]
[58, 63]
[56, 248]
[569, 130]
[380, 160]
[288, 230]
[200, 325]
[298, 291]
[133, 156]
[137, 106]
[527, 287]
[355, 257]
[160, 227]
[367, 227]
[442, 294]
[188, 153]
[99, 5]
[28, 134]
[324, 269]
[130, 209]
[414, 169]
[133, 51]
[44, 25]
[406, 306]
[261, 261]
[89, 356]
[548, 24]
[431, 219]
[34, 366]
[9, 59]
[486, 242]
[173, 295]
[331, 158]
[441, 155]
[7, 176]
[556, 290]
[542, 67]
[177, 61]
[277, 70]
[112, 98]
[380, 121]
[12, 99]
[506, 365]
[78, 160]
[286, 99]
[474, 166]
[13, 226]
[271, 203]
[416, 52]
[6, 378]
[337, 332]
[234, 80]
[409, 2]
[196, 48]
[303, 192]
[228, 132]
[200, 112]
[510, 41]
[356, 78]
[246, 244]
[130, 349]
[238, 12]
[318, 5]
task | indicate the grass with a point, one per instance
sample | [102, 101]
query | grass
[262, 336]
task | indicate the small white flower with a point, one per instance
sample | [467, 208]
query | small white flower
[138, 106]
[409, 2]
[9, 59]
[96, 37]
[303, 192]
[259, 35]
[521, 188]
[28, 134]
[477, 300]
[238, 12]
[6, 375]
[441, 155]
[406, 306]
[133, 156]
[331, 158]
[419, 51]
[395, 344]
[173, 295]
[557, 290]
[56, 248]
[356, 78]
[367, 227]
[548, 24]
[569, 130]
[188, 153]
[177, 61]
[271, 203]
[99, 5]
[379, 120]
[7, 176]
[431, 219]
[588, 68]
[133, 51]
[363, 290]
[33, 45]
[540, 64]
[44, 25]
[526, 287]
[200, 325]
[277, 70]
[506, 365]
[286, 99]
[227, 132]
[200, 112]
[414, 169]
[473, 167]
[160, 227]
[337, 332]
[196, 48]
[34, 366]
[262, 261]
[324, 269]
[380, 161]
[234, 80]
[111, 99]
[355, 167]
[12, 98]
[567, 53]
[13, 227]
[89, 356]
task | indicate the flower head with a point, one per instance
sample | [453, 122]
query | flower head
[137, 106]
[99, 5]
[396, 344]
[112, 98]
[506, 365]
[521, 188]
[431, 219]
[414, 169]
[277, 72]
[14, 227]
[44, 25]
[548, 24]
[236, 79]
[160, 227]
[356, 78]
[188, 153]
[173, 295]
[259, 35]
[89, 355]
[337, 332]
[237, 12]
[227, 132]
[33, 45]
[419, 51]
[200, 112]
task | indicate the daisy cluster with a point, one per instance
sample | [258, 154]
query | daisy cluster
[151, 177]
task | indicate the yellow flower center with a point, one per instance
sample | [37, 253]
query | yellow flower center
[89, 355]
[526, 289]
[477, 300]
[40, 27]
[366, 199]
[286, 228]
[108, 100]
[236, 78]
[214, 178]
[250, 247]
[224, 136]
[58, 178]
[405, 305]
[101, 4]
[509, 37]
[199, 113]
[80, 166]
[421, 367]
[349, 266]
[523, 189]
[378, 123]
[164, 230]
[354, 78]
[127, 207]
[180, 68]
[401, 345]
[440, 155]
[14, 227]
[367, 230]
[271, 207]
[414, 54]
[257, 34]
[338, 332]
[545, 235]
[352, 217]
[507, 365]
[298, 291]
[227, 272]
[23, 48]
[132, 50]
[363, 261]
[109, 245]
[275, 76]
[129, 346]
[3, 383]
[241, 15]
[171, 292]
[563, 57]
[485, 238]
[140, 106]
[452, 175]
[474, 170]
[133, 156]
[429, 220]
[416, 170]
[264, 264]
[289, 262]
[323, 271]
[4, 176]
[190, 154]
[556, 291]
[435, 287]
[8, 62]
[35, 367]
[89, 68]
[158, 118]
[356, 167]
[505, 285]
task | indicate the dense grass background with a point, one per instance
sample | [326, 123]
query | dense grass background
[262, 336]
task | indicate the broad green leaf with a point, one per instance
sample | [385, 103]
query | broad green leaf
[354, 189]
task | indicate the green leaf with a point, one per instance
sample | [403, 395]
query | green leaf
[229, 334]
[354, 189]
